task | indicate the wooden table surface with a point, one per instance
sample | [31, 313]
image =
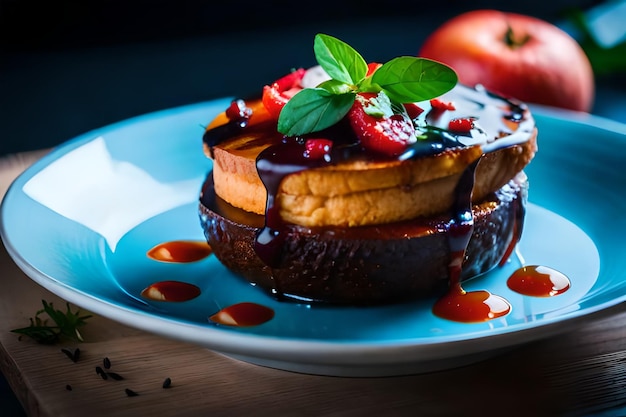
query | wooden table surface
[582, 372]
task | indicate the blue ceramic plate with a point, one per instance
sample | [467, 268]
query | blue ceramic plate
[80, 223]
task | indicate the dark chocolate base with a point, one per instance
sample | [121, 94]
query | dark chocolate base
[364, 265]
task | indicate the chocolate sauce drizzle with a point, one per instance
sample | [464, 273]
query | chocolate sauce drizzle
[274, 164]
[219, 134]
[461, 225]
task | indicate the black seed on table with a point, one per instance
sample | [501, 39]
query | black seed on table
[68, 387]
[115, 376]
[107, 363]
[68, 353]
[167, 383]
[101, 372]
[131, 393]
[72, 354]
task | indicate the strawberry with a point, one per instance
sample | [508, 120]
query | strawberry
[461, 125]
[413, 110]
[438, 108]
[238, 110]
[441, 105]
[276, 95]
[378, 128]
[317, 148]
[372, 67]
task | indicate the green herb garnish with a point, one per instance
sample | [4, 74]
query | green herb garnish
[66, 325]
[404, 80]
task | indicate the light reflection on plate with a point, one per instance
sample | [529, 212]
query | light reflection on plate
[100, 202]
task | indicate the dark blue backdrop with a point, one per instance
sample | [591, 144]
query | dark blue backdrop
[67, 67]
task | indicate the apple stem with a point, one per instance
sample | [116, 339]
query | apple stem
[509, 38]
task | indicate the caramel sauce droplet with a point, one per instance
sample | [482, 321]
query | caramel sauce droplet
[471, 307]
[175, 291]
[180, 251]
[538, 281]
[243, 315]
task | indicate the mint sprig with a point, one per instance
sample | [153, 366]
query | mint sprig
[66, 325]
[404, 79]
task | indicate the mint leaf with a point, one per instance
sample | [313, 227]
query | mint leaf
[368, 86]
[312, 110]
[337, 87]
[411, 79]
[340, 61]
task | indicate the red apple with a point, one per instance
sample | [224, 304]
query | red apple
[515, 55]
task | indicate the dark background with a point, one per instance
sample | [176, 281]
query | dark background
[67, 67]
[38, 24]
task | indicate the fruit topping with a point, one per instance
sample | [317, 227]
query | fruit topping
[318, 148]
[372, 67]
[404, 79]
[378, 126]
[413, 110]
[275, 96]
[438, 108]
[461, 125]
[238, 110]
[438, 104]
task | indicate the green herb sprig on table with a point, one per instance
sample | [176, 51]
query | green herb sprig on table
[66, 325]
[404, 79]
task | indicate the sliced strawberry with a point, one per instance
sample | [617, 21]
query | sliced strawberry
[275, 96]
[372, 67]
[386, 133]
[413, 110]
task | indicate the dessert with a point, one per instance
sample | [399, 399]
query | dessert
[356, 183]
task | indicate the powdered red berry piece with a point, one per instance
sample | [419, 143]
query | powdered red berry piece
[461, 125]
[317, 148]
[238, 110]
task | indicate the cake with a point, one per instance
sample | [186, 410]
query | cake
[366, 184]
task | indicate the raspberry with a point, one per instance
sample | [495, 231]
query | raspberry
[317, 148]
[238, 110]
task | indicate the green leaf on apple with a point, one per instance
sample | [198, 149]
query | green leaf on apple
[404, 80]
